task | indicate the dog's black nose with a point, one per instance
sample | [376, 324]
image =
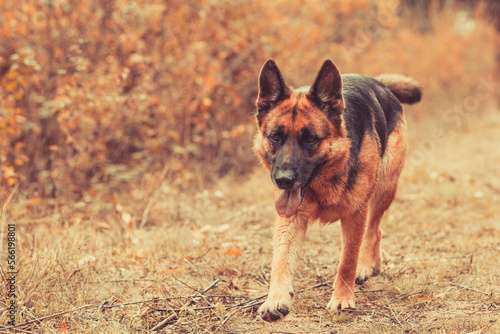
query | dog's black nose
[284, 179]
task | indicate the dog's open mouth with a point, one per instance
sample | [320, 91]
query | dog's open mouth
[288, 202]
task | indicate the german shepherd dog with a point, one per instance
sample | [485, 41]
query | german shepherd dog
[335, 150]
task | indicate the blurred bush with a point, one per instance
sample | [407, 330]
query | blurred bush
[98, 92]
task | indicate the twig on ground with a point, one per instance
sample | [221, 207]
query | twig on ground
[420, 303]
[226, 319]
[104, 307]
[150, 285]
[44, 318]
[393, 314]
[18, 330]
[366, 291]
[132, 280]
[182, 309]
[210, 286]
[193, 296]
[165, 321]
[315, 286]
[187, 285]
[431, 259]
[229, 317]
[471, 289]
[330, 283]
[246, 303]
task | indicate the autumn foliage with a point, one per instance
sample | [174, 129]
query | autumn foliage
[100, 91]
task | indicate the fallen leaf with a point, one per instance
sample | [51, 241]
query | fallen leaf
[64, 327]
[222, 228]
[126, 217]
[73, 273]
[172, 271]
[233, 252]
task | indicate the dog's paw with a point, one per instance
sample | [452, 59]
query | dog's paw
[276, 308]
[364, 272]
[344, 302]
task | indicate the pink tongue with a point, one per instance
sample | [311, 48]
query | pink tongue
[288, 202]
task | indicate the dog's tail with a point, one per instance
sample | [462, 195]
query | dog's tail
[404, 88]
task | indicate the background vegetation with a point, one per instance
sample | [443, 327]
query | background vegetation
[99, 92]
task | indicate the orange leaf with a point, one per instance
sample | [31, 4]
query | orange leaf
[11, 86]
[64, 327]
[31, 9]
[233, 252]
[172, 271]
[6, 29]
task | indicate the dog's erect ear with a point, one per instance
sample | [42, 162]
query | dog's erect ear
[326, 91]
[272, 89]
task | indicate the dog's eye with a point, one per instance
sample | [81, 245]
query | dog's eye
[275, 138]
[311, 139]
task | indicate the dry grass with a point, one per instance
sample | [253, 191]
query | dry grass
[441, 252]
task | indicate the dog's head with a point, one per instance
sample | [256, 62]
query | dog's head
[301, 131]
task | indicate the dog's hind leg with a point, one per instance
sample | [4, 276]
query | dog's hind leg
[369, 261]
[352, 233]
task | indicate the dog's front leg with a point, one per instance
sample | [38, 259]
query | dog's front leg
[288, 237]
[353, 228]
